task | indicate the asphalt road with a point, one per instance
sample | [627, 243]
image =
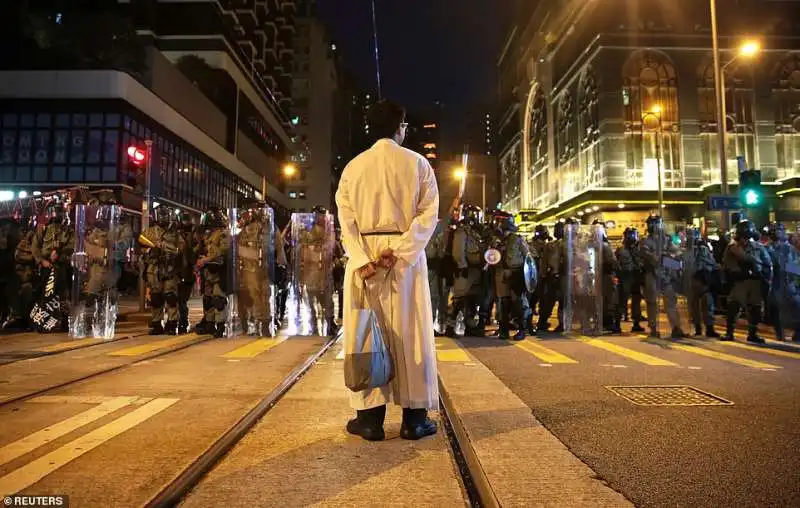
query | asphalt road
[744, 454]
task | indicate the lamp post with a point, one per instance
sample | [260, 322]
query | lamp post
[461, 174]
[655, 111]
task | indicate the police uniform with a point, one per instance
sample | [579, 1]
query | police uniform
[784, 295]
[553, 279]
[20, 286]
[163, 265]
[631, 278]
[468, 252]
[747, 264]
[538, 247]
[659, 280]
[702, 271]
[254, 297]
[316, 258]
[9, 237]
[434, 252]
[509, 283]
[214, 259]
[55, 244]
[192, 240]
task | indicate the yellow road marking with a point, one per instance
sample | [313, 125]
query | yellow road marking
[761, 349]
[253, 348]
[627, 353]
[33, 441]
[546, 355]
[448, 350]
[154, 346]
[32, 472]
[66, 346]
[724, 356]
[72, 399]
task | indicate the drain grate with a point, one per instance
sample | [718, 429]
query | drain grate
[668, 396]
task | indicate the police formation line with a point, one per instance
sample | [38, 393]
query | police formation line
[62, 270]
[488, 264]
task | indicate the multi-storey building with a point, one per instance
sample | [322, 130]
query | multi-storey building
[314, 105]
[208, 82]
[609, 94]
[480, 130]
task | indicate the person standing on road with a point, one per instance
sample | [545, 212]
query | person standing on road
[388, 205]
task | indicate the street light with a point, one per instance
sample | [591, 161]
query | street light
[289, 170]
[461, 173]
[656, 111]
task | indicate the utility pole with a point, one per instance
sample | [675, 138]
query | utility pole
[721, 117]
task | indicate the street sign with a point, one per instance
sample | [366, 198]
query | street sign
[722, 202]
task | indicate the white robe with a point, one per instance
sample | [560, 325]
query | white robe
[391, 189]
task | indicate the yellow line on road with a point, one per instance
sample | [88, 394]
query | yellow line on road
[154, 346]
[544, 354]
[627, 353]
[66, 346]
[724, 356]
[761, 349]
[448, 350]
[32, 472]
[253, 348]
[33, 441]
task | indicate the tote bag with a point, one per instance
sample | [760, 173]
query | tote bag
[368, 360]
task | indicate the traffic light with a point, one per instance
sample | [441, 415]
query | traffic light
[136, 166]
[750, 192]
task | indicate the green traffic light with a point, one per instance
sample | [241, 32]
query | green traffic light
[751, 198]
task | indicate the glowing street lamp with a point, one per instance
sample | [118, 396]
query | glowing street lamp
[289, 170]
[749, 49]
[460, 173]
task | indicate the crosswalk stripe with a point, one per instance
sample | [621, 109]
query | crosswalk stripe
[761, 349]
[154, 346]
[546, 355]
[626, 352]
[33, 441]
[66, 346]
[448, 350]
[253, 348]
[709, 353]
[34, 471]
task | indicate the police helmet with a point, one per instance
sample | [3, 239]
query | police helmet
[471, 215]
[630, 237]
[213, 218]
[598, 222]
[540, 232]
[776, 231]
[746, 230]
[504, 221]
[319, 209]
[653, 222]
[558, 230]
[56, 212]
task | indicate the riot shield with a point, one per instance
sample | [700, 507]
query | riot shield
[690, 286]
[584, 309]
[233, 323]
[98, 246]
[254, 265]
[310, 304]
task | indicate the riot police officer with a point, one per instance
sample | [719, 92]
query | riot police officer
[703, 276]
[434, 253]
[659, 279]
[537, 247]
[20, 287]
[9, 236]
[509, 279]
[53, 247]
[192, 240]
[747, 265]
[468, 252]
[164, 262]
[213, 261]
[316, 260]
[631, 277]
[784, 295]
[553, 280]
[609, 268]
[255, 256]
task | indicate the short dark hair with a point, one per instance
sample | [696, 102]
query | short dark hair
[385, 118]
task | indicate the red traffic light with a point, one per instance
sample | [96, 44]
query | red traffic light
[136, 154]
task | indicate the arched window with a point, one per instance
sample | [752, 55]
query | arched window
[786, 91]
[740, 125]
[650, 102]
[539, 145]
[510, 170]
[589, 130]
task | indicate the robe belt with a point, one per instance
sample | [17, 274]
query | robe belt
[382, 233]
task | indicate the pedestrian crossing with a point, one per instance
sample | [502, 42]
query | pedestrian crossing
[633, 350]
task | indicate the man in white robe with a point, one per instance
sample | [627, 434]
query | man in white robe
[388, 205]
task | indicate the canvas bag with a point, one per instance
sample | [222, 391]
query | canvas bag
[368, 360]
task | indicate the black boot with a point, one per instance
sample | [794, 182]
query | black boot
[156, 328]
[520, 335]
[171, 328]
[529, 328]
[503, 333]
[416, 424]
[203, 327]
[368, 424]
[450, 332]
[263, 329]
[333, 328]
[637, 328]
[219, 330]
[711, 333]
[479, 330]
[698, 330]
[183, 327]
[730, 321]
[678, 334]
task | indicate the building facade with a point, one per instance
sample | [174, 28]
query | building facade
[611, 93]
[204, 92]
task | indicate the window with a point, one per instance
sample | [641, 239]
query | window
[786, 91]
[652, 139]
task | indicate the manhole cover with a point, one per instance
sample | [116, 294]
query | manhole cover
[668, 396]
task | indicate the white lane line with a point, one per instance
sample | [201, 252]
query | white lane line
[40, 438]
[32, 472]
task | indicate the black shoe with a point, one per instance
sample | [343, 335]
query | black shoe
[183, 327]
[654, 333]
[219, 330]
[711, 333]
[333, 328]
[755, 339]
[450, 332]
[677, 334]
[558, 329]
[637, 328]
[437, 334]
[503, 333]
[203, 328]
[171, 328]
[520, 335]
[416, 424]
[698, 331]
[357, 428]
[156, 328]
[728, 337]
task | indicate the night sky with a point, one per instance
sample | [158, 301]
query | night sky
[431, 50]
